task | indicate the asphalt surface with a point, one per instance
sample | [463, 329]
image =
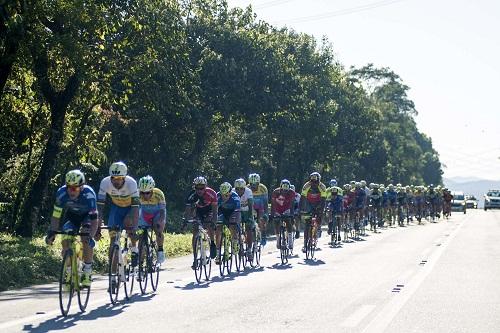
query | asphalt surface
[436, 277]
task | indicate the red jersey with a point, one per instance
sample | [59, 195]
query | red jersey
[282, 200]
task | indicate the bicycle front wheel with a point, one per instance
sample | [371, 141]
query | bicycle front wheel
[143, 265]
[129, 275]
[114, 276]
[283, 246]
[153, 266]
[66, 283]
[198, 251]
[83, 295]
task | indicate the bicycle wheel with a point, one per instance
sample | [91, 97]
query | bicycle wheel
[235, 252]
[83, 295]
[207, 266]
[283, 246]
[153, 265]
[143, 264]
[66, 283]
[229, 254]
[129, 274]
[222, 254]
[198, 248]
[114, 274]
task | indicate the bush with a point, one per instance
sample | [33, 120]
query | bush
[26, 262]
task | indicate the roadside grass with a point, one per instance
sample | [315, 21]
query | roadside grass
[24, 262]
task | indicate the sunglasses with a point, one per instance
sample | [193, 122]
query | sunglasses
[199, 188]
[73, 187]
[117, 177]
[146, 193]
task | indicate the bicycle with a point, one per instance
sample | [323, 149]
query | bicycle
[227, 250]
[148, 259]
[310, 234]
[286, 247]
[255, 247]
[120, 270]
[201, 254]
[336, 220]
[69, 276]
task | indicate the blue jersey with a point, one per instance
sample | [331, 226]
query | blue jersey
[337, 204]
[392, 197]
[81, 206]
[360, 198]
[227, 207]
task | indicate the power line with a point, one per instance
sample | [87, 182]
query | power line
[271, 4]
[341, 12]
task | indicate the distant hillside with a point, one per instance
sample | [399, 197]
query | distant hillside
[476, 187]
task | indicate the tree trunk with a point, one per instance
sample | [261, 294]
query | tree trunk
[58, 102]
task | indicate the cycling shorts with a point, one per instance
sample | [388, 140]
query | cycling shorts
[117, 215]
[148, 219]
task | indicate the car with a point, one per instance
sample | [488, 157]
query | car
[471, 201]
[458, 202]
[492, 199]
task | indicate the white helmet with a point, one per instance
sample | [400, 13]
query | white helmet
[118, 169]
[254, 178]
[240, 183]
[75, 178]
[200, 180]
[146, 184]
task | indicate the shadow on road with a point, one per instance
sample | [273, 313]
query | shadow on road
[313, 262]
[280, 266]
[217, 279]
[106, 310]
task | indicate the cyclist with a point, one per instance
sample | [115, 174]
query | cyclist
[312, 200]
[359, 204]
[432, 200]
[401, 203]
[201, 203]
[376, 200]
[246, 201]
[229, 214]
[282, 200]
[260, 203]
[152, 211]
[76, 203]
[392, 196]
[419, 200]
[447, 198]
[296, 212]
[336, 204]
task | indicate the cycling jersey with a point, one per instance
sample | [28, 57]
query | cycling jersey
[126, 196]
[376, 198]
[202, 203]
[330, 190]
[149, 210]
[78, 209]
[244, 199]
[360, 198]
[230, 205]
[336, 204]
[282, 201]
[392, 197]
[401, 198]
[314, 195]
[260, 197]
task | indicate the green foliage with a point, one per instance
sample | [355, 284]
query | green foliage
[182, 88]
[26, 261]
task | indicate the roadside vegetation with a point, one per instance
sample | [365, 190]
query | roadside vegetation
[25, 261]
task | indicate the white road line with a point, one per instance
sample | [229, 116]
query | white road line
[380, 322]
[354, 319]
[53, 313]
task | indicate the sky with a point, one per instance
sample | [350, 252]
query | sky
[446, 51]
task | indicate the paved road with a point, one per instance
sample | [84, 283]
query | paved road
[442, 277]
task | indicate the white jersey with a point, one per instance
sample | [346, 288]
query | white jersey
[244, 199]
[126, 196]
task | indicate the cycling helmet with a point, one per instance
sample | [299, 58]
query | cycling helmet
[292, 187]
[333, 183]
[375, 186]
[254, 178]
[240, 183]
[285, 184]
[75, 178]
[408, 188]
[431, 186]
[347, 187]
[225, 188]
[390, 187]
[146, 184]
[315, 176]
[200, 180]
[118, 169]
[357, 185]
[363, 183]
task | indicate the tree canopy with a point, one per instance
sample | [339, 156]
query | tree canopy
[182, 88]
